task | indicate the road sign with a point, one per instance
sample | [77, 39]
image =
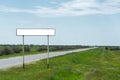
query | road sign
[36, 32]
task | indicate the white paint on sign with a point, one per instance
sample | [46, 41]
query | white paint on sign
[35, 32]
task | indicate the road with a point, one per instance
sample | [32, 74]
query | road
[14, 61]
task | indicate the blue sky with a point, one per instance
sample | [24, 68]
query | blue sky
[78, 22]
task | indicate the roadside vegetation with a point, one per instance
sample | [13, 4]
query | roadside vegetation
[15, 50]
[96, 64]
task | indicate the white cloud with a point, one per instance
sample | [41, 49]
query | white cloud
[72, 8]
[14, 10]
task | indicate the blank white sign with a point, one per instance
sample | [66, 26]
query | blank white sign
[35, 32]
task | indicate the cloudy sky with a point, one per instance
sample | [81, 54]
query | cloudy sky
[81, 22]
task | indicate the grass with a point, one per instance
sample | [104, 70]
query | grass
[97, 64]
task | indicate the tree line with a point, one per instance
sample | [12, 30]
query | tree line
[16, 49]
[112, 48]
[10, 49]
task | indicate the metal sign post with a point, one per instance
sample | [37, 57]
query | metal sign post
[36, 32]
[23, 53]
[48, 51]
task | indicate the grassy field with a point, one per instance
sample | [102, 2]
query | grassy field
[97, 64]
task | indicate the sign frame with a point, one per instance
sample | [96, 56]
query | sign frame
[35, 31]
[44, 32]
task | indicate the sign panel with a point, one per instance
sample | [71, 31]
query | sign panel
[35, 32]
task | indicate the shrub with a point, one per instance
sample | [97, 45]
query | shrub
[1, 52]
[41, 48]
[27, 49]
[17, 49]
[7, 50]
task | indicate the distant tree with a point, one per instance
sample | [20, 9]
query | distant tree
[106, 48]
[27, 48]
[1, 52]
[7, 50]
[41, 48]
[17, 49]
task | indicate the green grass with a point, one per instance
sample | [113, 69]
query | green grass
[97, 64]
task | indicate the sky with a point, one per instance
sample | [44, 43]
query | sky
[77, 22]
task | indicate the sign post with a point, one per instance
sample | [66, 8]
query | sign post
[23, 53]
[48, 51]
[36, 32]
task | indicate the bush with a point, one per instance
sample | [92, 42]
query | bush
[112, 48]
[7, 50]
[1, 52]
[41, 48]
[17, 49]
[27, 49]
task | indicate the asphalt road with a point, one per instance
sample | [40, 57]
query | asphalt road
[10, 62]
